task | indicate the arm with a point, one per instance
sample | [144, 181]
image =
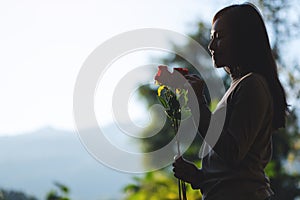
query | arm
[196, 98]
[184, 169]
[205, 116]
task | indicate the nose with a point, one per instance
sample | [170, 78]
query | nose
[211, 46]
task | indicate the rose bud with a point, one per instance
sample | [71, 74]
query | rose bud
[183, 71]
[163, 75]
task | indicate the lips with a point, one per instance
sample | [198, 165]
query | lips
[214, 59]
[213, 56]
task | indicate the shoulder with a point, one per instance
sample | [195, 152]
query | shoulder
[253, 81]
[251, 88]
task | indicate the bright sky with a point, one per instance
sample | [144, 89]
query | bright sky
[44, 44]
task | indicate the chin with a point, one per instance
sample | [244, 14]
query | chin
[218, 65]
[219, 61]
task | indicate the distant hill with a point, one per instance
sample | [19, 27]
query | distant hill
[32, 162]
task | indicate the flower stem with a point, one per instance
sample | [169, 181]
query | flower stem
[181, 184]
[179, 188]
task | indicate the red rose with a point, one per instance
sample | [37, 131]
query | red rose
[174, 80]
[163, 75]
[183, 71]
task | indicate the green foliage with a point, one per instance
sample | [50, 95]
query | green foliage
[159, 185]
[163, 101]
[14, 195]
[61, 194]
[284, 182]
[175, 103]
[270, 169]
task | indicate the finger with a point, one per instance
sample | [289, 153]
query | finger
[176, 157]
[178, 166]
[192, 76]
[193, 80]
[179, 175]
[177, 171]
[176, 176]
[180, 159]
[196, 76]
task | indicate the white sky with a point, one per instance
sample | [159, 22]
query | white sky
[44, 43]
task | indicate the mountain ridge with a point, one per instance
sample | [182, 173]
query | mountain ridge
[33, 161]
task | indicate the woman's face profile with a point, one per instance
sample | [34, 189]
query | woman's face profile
[221, 44]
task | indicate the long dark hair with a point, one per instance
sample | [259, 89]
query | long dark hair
[253, 52]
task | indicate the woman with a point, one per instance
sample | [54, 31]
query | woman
[255, 107]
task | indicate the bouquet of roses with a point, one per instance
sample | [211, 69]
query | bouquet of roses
[172, 94]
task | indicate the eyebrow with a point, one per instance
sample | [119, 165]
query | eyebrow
[214, 31]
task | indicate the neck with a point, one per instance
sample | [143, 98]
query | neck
[236, 72]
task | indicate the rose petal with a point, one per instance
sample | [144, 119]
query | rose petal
[183, 71]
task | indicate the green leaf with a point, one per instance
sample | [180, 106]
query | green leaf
[169, 113]
[174, 104]
[132, 188]
[163, 102]
[177, 115]
[62, 187]
[213, 104]
[185, 114]
[270, 169]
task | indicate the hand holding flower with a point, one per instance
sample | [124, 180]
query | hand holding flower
[196, 84]
[186, 171]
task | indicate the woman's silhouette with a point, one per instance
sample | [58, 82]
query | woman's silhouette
[256, 106]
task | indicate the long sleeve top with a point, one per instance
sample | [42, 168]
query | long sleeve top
[234, 166]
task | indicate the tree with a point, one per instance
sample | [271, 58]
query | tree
[156, 186]
[14, 195]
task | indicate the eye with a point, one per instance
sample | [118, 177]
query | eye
[215, 35]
